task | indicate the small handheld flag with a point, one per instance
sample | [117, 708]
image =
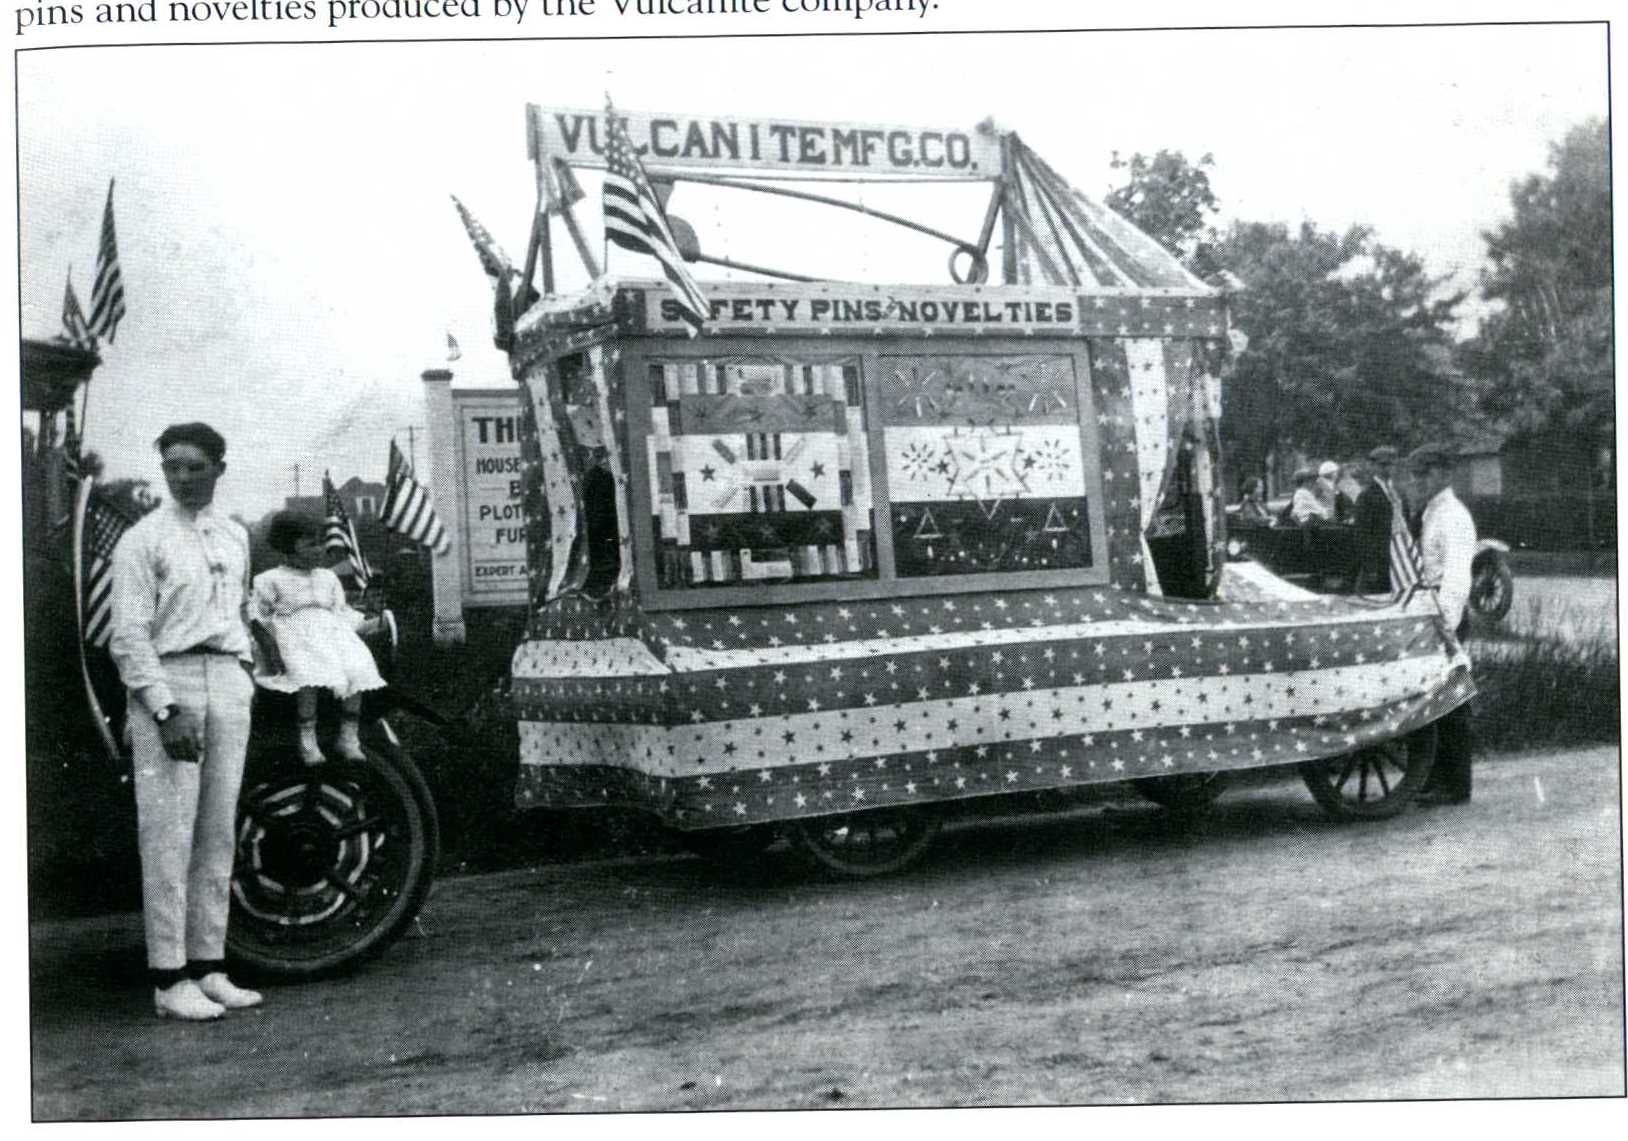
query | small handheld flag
[75, 329]
[339, 533]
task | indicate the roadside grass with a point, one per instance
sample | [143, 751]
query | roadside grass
[1552, 678]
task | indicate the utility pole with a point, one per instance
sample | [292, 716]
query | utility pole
[296, 468]
[412, 443]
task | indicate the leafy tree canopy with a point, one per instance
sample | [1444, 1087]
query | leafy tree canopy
[1349, 341]
[1545, 352]
[1349, 344]
[1170, 199]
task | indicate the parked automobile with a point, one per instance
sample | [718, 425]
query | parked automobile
[1321, 557]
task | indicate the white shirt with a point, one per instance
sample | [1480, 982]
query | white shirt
[1446, 549]
[180, 581]
[1306, 505]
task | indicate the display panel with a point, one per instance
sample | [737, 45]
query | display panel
[985, 465]
[759, 471]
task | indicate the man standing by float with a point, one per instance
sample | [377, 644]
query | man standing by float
[1446, 550]
[181, 643]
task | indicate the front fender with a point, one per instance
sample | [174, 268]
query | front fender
[1491, 545]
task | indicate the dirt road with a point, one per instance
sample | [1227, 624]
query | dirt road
[1111, 954]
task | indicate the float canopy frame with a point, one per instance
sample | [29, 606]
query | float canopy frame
[1052, 234]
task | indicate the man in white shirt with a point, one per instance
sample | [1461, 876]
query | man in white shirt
[1446, 551]
[181, 644]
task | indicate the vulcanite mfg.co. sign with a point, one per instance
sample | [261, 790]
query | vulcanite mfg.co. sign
[792, 148]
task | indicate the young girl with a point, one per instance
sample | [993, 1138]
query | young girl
[313, 641]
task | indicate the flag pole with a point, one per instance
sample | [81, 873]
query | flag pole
[81, 502]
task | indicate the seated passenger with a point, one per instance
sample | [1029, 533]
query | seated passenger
[1306, 508]
[1252, 508]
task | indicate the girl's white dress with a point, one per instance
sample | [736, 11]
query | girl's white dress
[315, 629]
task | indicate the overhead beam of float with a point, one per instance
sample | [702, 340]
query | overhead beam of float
[731, 151]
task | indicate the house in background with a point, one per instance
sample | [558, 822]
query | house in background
[363, 500]
[1552, 490]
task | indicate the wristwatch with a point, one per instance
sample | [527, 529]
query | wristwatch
[166, 713]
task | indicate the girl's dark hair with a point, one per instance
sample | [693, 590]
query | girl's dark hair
[287, 528]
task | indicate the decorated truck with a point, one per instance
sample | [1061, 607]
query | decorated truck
[828, 561]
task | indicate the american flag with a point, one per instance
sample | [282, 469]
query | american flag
[1406, 567]
[100, 525]
[407, 508]
[339, 533]
[635, 220]
[75, 329]
[107, 294]
[492, 258]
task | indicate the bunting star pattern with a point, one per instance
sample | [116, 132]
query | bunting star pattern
[729, 716]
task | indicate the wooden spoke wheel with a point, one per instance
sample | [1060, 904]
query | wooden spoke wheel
[871, 843]
[332, 862]
[1372, 783]
[731, 845]
[1492, 589]
[1182, 792]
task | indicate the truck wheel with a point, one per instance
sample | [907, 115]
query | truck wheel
[332, 862]
[1372, 783]
[871, 843]
[1183, 792]
[730, 845]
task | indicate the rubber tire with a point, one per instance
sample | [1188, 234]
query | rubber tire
[349, 935]
[835, 844]
[730, 845]
[1183, 792]
[1505, 578]
[1327, 778]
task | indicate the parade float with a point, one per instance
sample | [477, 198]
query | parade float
[827, 561]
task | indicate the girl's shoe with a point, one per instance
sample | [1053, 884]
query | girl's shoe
[310, 752]
[349, 745]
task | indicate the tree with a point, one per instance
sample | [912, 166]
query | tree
[1348, 338]
[1349, 345]
[1545, 351]
[1170, 199]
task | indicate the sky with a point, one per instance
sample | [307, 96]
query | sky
[293, 262]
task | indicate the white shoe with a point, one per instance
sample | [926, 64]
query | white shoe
[187, 1002]
[221, 989]
[348, 744]
[310, 752]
